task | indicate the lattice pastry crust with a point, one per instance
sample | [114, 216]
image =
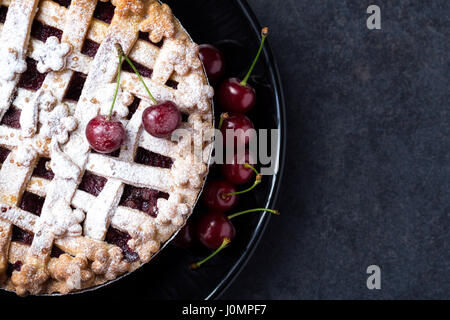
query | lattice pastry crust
[83, 238]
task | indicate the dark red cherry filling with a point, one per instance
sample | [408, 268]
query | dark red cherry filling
[56, 252]
[22, 236]
[120, 239]
[104, 11]
[133, 107]
[143, 70]
[32, 203]
[64, 3]
[25, 237]
[3, 12]
[149, 158]
[142, 199]
[31, 79]
[12, 118]
[41, 169]
[3, 154]
[16, 266]
[42, 31]
[75, 86]
[172, 83]
[144, 36]
[92, 183]
[90, 48]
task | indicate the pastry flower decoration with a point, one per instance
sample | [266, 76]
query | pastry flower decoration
[193, 91]
[11, 64]
[65, 221]
[188, 170]
[159, 22]
[72, 270]
[183, 56]
[52, 56]
[57, 123]
[104, 96]
[176, 55]
[172, 210]
[110, 263]
[126, 8]
[143, 240]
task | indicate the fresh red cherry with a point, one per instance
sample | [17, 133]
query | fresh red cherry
[105, 135]
[237, 96]
[213, 61]
[236, 169]
[239, 125]
[215, 195]
[162, 119]
[213, 228]
[185, 237]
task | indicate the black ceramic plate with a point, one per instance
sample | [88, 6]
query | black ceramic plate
[232, 26]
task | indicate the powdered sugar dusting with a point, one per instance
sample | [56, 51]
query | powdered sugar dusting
[179, 55]
[11, 64]
[188, 171]
[103, 96]
[25, 156]
[172, 210]
[43, 100]
[53, 55]
[57, 123]
[193, 91]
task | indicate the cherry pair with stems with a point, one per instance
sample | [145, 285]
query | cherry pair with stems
[106, 134]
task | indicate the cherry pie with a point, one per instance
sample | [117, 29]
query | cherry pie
[71, 218]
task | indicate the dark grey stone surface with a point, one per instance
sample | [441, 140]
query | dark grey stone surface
[367, 176]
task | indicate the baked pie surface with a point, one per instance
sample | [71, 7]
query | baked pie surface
[71, 218]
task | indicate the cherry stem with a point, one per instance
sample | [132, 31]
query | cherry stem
[264, 33]
[120, 50]
[223, 116]
[225, 243]
[257, 181]
[248, 165]
[117, 86]
[234, 215]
